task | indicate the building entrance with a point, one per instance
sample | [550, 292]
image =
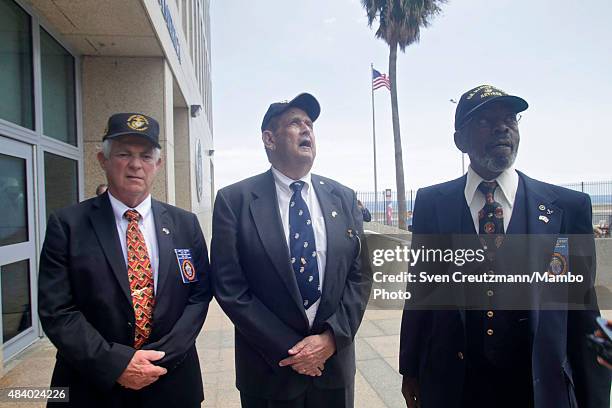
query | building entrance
[19, 322]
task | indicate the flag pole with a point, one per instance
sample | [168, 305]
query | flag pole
[374, 142]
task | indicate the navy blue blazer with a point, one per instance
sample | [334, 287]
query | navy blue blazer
[255, 285]
[85, 306]
[432, 343]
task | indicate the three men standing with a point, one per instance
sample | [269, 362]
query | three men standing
[124, 286]
[286, 267]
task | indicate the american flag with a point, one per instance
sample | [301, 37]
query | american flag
[379, 80]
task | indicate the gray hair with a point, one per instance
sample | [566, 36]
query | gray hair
[106, 149]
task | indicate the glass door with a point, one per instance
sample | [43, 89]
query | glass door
[18, 320]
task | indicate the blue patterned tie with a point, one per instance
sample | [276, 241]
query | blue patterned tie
[302, 247]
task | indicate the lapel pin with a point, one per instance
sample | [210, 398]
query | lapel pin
[543, 218]
[541, 207]
[321, 182]
[350, 233]
[549, 211]
[333, 214]
[166, 231]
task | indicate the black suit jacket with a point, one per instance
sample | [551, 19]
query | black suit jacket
[255, 285]
[432, 343]
[85, 306]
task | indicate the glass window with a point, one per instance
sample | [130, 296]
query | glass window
[13, 200]
[61, 182]
[16, 302]
[58, 90]
[16, 85]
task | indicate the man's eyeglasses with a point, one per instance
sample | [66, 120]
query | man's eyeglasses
[511, 119]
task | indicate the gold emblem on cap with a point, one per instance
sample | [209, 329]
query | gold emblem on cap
[138, 122]
[486, 91]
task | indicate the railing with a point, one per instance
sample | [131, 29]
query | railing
[601, 202]
[384, 209]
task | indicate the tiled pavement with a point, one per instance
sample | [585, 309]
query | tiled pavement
[377, 383]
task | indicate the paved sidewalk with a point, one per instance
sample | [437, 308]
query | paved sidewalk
[377, 383]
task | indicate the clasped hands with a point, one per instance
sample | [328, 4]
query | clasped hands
[309, 355]
[141, 371]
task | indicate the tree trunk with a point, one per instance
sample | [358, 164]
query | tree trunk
[397, 140]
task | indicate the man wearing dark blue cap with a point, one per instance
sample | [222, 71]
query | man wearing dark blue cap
[491, 357]
[287, 270]
[124, 286]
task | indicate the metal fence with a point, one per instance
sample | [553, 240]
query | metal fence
[601, 202]
[384, 210]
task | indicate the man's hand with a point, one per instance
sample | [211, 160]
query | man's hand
[410, 390]
[141, 371]
[600, 360]
[308, 356]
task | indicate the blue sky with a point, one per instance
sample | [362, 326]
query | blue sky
[555, 54]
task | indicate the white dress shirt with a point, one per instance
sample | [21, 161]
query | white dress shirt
[284, 193]
[146, 225]
[504, 194]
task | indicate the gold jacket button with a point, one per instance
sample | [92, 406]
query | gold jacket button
[490, 314]
[460, 355]
[490, 332]
[489, 293]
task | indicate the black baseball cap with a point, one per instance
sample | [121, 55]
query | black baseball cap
[478, 97]
[304, 101]
[136, 124]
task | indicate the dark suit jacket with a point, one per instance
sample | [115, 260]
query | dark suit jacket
[85, 306]
[565, 372]
[255, 285]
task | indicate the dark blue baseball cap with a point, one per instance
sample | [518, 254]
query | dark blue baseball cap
[477, 98]
[304, 101]
[137, 124]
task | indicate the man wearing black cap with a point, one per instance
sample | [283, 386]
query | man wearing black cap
[287, 271]
[124, 286]
[490, 357]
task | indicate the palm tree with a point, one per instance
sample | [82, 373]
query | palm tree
[399, 25]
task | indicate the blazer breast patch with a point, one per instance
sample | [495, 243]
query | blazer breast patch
[559, 262]
[185, 263]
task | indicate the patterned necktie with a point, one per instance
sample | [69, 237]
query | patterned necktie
[491, 216]
[141, 279]
[490, 220]
[302, 246]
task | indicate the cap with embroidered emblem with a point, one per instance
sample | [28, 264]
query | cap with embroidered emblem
[137, 124]
[476, 98]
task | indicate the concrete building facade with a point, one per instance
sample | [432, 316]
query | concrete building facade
[65, 67]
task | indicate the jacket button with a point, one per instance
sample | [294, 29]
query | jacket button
[460, 355]
[490, 314]
[489, 293]
[129, 324]
[490, 332]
